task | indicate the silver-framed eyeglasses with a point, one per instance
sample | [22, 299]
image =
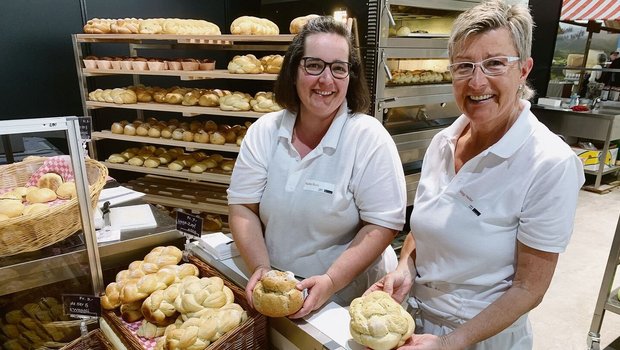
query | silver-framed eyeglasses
[490, 66]
[316, 66]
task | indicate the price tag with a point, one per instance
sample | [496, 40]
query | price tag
[86, 127]
[81, 305]
[189, 224]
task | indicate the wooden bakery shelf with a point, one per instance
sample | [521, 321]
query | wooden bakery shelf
[183, 74]
[188, 111]
[222, 178]
[178, 193]
[224, 39]
[107, 134]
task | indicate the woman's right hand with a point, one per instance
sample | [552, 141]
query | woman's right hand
[256, 276]
[397, 284]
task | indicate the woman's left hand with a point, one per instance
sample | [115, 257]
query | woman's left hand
[320, 289]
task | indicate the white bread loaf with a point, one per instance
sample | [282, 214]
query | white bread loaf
[275, 294]
[272, 63]
[197, 294]
[236, 101]
[245, 64]
[379, 322]
[50, 180]
[264, 102]
[249, 25]
[298, 23]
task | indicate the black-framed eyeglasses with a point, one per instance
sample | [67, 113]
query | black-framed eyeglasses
[491, 66]
[316, 66]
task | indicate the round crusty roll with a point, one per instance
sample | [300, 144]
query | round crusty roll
[299, 22]
[50, 180]
[67, 190]
[275, 294]
[41, 195]
[379, 322]
[11, 207]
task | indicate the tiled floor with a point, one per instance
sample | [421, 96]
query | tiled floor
[562, 320]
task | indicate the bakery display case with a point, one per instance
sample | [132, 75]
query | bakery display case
[58, 259]
[179, 107]
[406, 62]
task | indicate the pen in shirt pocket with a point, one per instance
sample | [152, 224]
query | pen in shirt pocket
[468, 202]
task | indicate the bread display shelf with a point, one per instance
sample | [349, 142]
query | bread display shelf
[224, 39]
[184, 74]
[180, 193]
[222, 178]
[399, 90]
[107, 134]
[188, 111]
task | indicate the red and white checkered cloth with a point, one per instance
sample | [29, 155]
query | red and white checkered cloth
[60, 165]
[148, 344]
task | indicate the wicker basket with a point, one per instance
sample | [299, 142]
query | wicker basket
[33, 232]
[94, 340]
[252, 334]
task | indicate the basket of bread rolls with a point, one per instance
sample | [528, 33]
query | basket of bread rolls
[40, 207]
[162, 303]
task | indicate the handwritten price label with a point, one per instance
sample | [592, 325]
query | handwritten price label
[81, 305]
[189, 224]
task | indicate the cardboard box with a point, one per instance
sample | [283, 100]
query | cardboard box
[592, 158]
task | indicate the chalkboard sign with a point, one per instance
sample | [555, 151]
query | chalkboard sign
[189, 224]
[81, 305]
[86, 127]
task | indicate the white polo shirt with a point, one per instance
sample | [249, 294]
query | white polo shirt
[311, 208]
[466, 225]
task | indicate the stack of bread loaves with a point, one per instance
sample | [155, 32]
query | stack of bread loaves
[173, 302]
[379, 322]
[36, 325]
[33, 200]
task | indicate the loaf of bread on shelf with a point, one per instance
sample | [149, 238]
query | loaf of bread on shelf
[236, 101]
[272, 63]
[249, 25]
[298, 23]
[264, 102]
[98, 26]
[125, 26]
[403, 31]
[245, 64]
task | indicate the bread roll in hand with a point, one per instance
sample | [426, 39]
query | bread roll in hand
[275, 294]
[379, 322]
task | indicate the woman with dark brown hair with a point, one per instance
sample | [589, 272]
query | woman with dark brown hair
[318, 188]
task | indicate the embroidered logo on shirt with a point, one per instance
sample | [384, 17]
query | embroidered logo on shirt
[468, 201]
[319, 186]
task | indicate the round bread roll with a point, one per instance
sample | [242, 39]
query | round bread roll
[41, 195]
[403, 31]
[11, 207]
[379, 322]
[51, 181]
[298, 23]
[67, 190]
[35, 208]
[275, 294]
[4, 217]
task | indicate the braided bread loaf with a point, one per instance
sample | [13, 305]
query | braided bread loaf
[379, 322]
[245, 64]
[197, 294]
[249, 25]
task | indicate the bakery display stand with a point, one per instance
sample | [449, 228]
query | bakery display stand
[32, 270]
[413, 111]
[161, 185]
[607, 298]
